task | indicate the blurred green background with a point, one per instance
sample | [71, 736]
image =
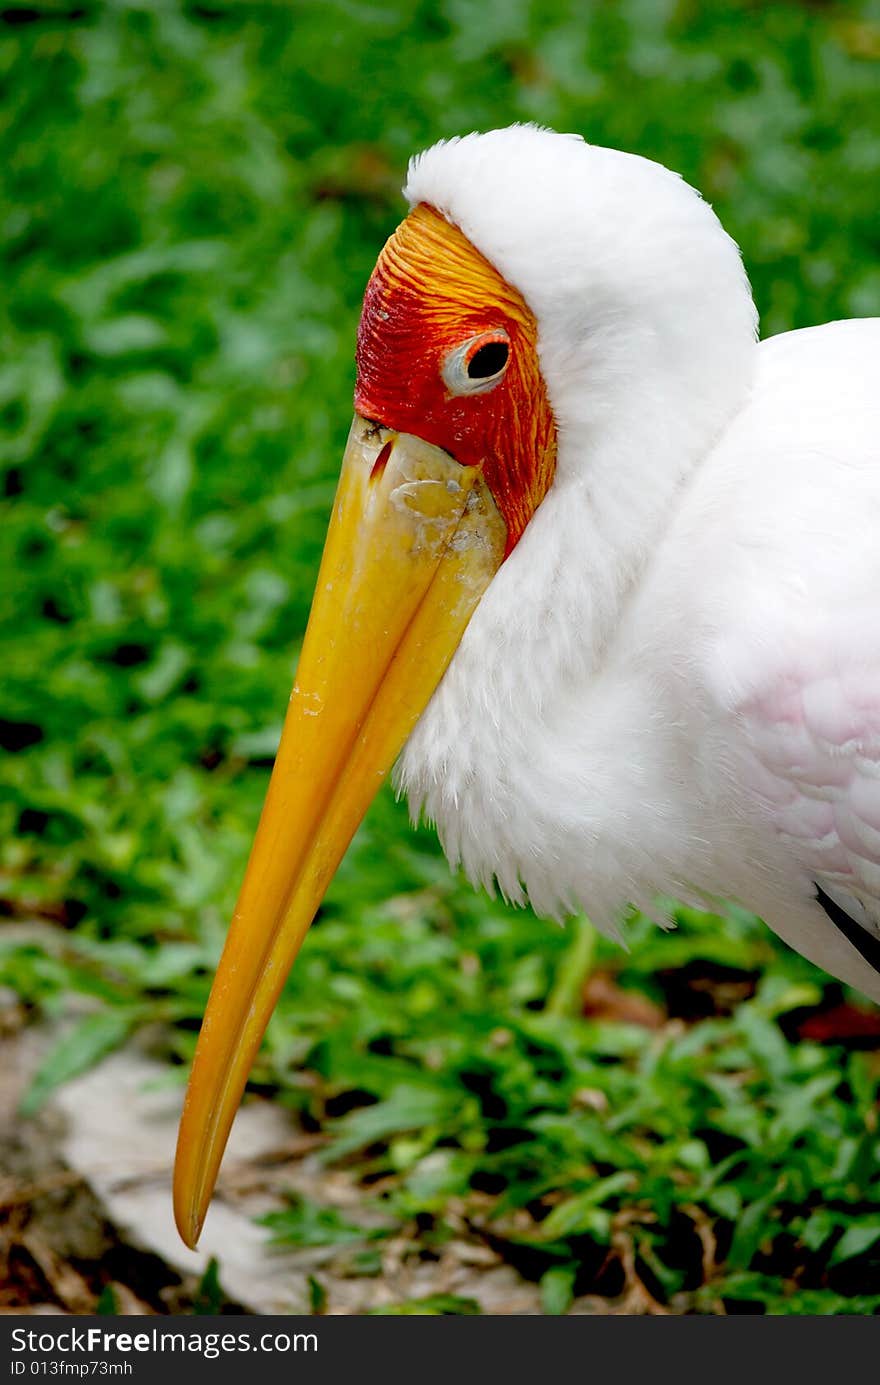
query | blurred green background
[193, 197]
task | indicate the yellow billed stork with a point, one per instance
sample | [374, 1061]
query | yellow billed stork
[602, 571]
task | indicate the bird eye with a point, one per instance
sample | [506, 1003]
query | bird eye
[488, 360]
[477, 365]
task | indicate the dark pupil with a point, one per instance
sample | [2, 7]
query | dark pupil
[488, 360]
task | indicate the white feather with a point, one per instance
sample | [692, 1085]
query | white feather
[672, 685]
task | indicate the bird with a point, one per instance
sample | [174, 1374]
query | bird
[602, 577]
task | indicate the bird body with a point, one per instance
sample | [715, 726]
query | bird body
[723, 742]
[602, 566]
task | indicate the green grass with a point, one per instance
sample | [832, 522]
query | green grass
[193, 198]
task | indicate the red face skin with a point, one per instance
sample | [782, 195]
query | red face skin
[430, 294]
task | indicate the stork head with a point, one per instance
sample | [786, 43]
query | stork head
[541, 297]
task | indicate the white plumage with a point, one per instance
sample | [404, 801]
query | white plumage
[672, 685]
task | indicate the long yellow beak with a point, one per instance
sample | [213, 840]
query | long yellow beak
[414, 541]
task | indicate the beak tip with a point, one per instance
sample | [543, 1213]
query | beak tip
[189, 1218]
[189, 1229]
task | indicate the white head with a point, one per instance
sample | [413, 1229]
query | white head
[645, 317]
